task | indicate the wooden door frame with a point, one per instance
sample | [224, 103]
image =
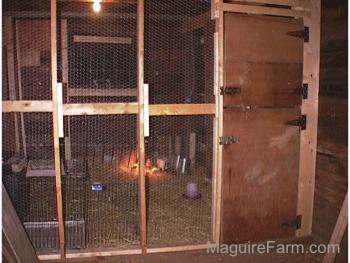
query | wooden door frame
[310, 11]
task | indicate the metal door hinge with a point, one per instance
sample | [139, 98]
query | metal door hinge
[296, 223]
[229, 90]
[300, 34]
[226, 140]
[301, 122]
[303, 91]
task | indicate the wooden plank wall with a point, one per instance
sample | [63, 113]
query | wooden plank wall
[331, 165]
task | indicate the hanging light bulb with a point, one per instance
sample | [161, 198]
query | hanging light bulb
[96, 6]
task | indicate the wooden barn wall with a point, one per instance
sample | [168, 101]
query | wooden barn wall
[331, 168]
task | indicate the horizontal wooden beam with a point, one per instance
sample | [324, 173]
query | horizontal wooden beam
[99, 108]
[41, 14]
[72, 109]
[181, 109]
[178, 248]
[103, 40]
[90, 254]
[293, 3]
[90, 92]
[102, 1]
[262, 10]
[27, 106]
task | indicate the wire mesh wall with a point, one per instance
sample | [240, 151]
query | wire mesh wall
[97, 63]
[179, 188]
[98, 52]
[29, 179]
[179, 51]
[105, 146]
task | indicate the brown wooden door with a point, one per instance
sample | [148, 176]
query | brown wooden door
[263, 69]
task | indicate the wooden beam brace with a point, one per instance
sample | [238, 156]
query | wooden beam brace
[15, 233]
[104, 40]
[140, 124]
[91, 92]
[308, 139]
[72, 109]
[27, 106]
[40, 14]
[100, 108]
[292, 3]
[56, 128]
[338, 233]
[181, 109]
[262, 10]
[11, 77]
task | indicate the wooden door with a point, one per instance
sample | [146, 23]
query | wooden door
[263, 76]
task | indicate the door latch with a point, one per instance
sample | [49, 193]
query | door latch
[226, 140]
[229, 90]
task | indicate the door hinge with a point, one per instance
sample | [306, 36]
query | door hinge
[301, 122]
[303, 91]
[300, 34]
[226, 140]
[229, 90]
[296, 223]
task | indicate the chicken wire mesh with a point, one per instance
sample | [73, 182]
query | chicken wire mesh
[28, 175]
[178, 191]
[179, 51]
[98, 52]
[97, 61]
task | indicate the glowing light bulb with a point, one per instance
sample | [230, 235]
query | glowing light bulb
[96, 6]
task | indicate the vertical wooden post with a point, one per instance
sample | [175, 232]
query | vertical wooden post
[20, 88]
[11, 73]
[308, 140]
[65, 65]
[55, 125]
[217, 14]
[140, 123]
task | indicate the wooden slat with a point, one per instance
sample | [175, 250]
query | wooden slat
[181, 109]
[178, 248]
[219, 117]
[61, 232]
[100, 108]
[65, 80]
[308, 147]
[10, 58]
[41, 14]
[261, 10]
[71, 109]
[338, 232]
[140, 124]
[293, 3]
[89, 254]
[27, 106]
[20, 88]
[14, 232]
[93, 92]
[104, 40]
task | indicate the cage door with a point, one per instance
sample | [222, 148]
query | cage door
[263, 77]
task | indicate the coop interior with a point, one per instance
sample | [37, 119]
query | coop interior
[97, 63]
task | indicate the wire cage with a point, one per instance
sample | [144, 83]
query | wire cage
[97, 66]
